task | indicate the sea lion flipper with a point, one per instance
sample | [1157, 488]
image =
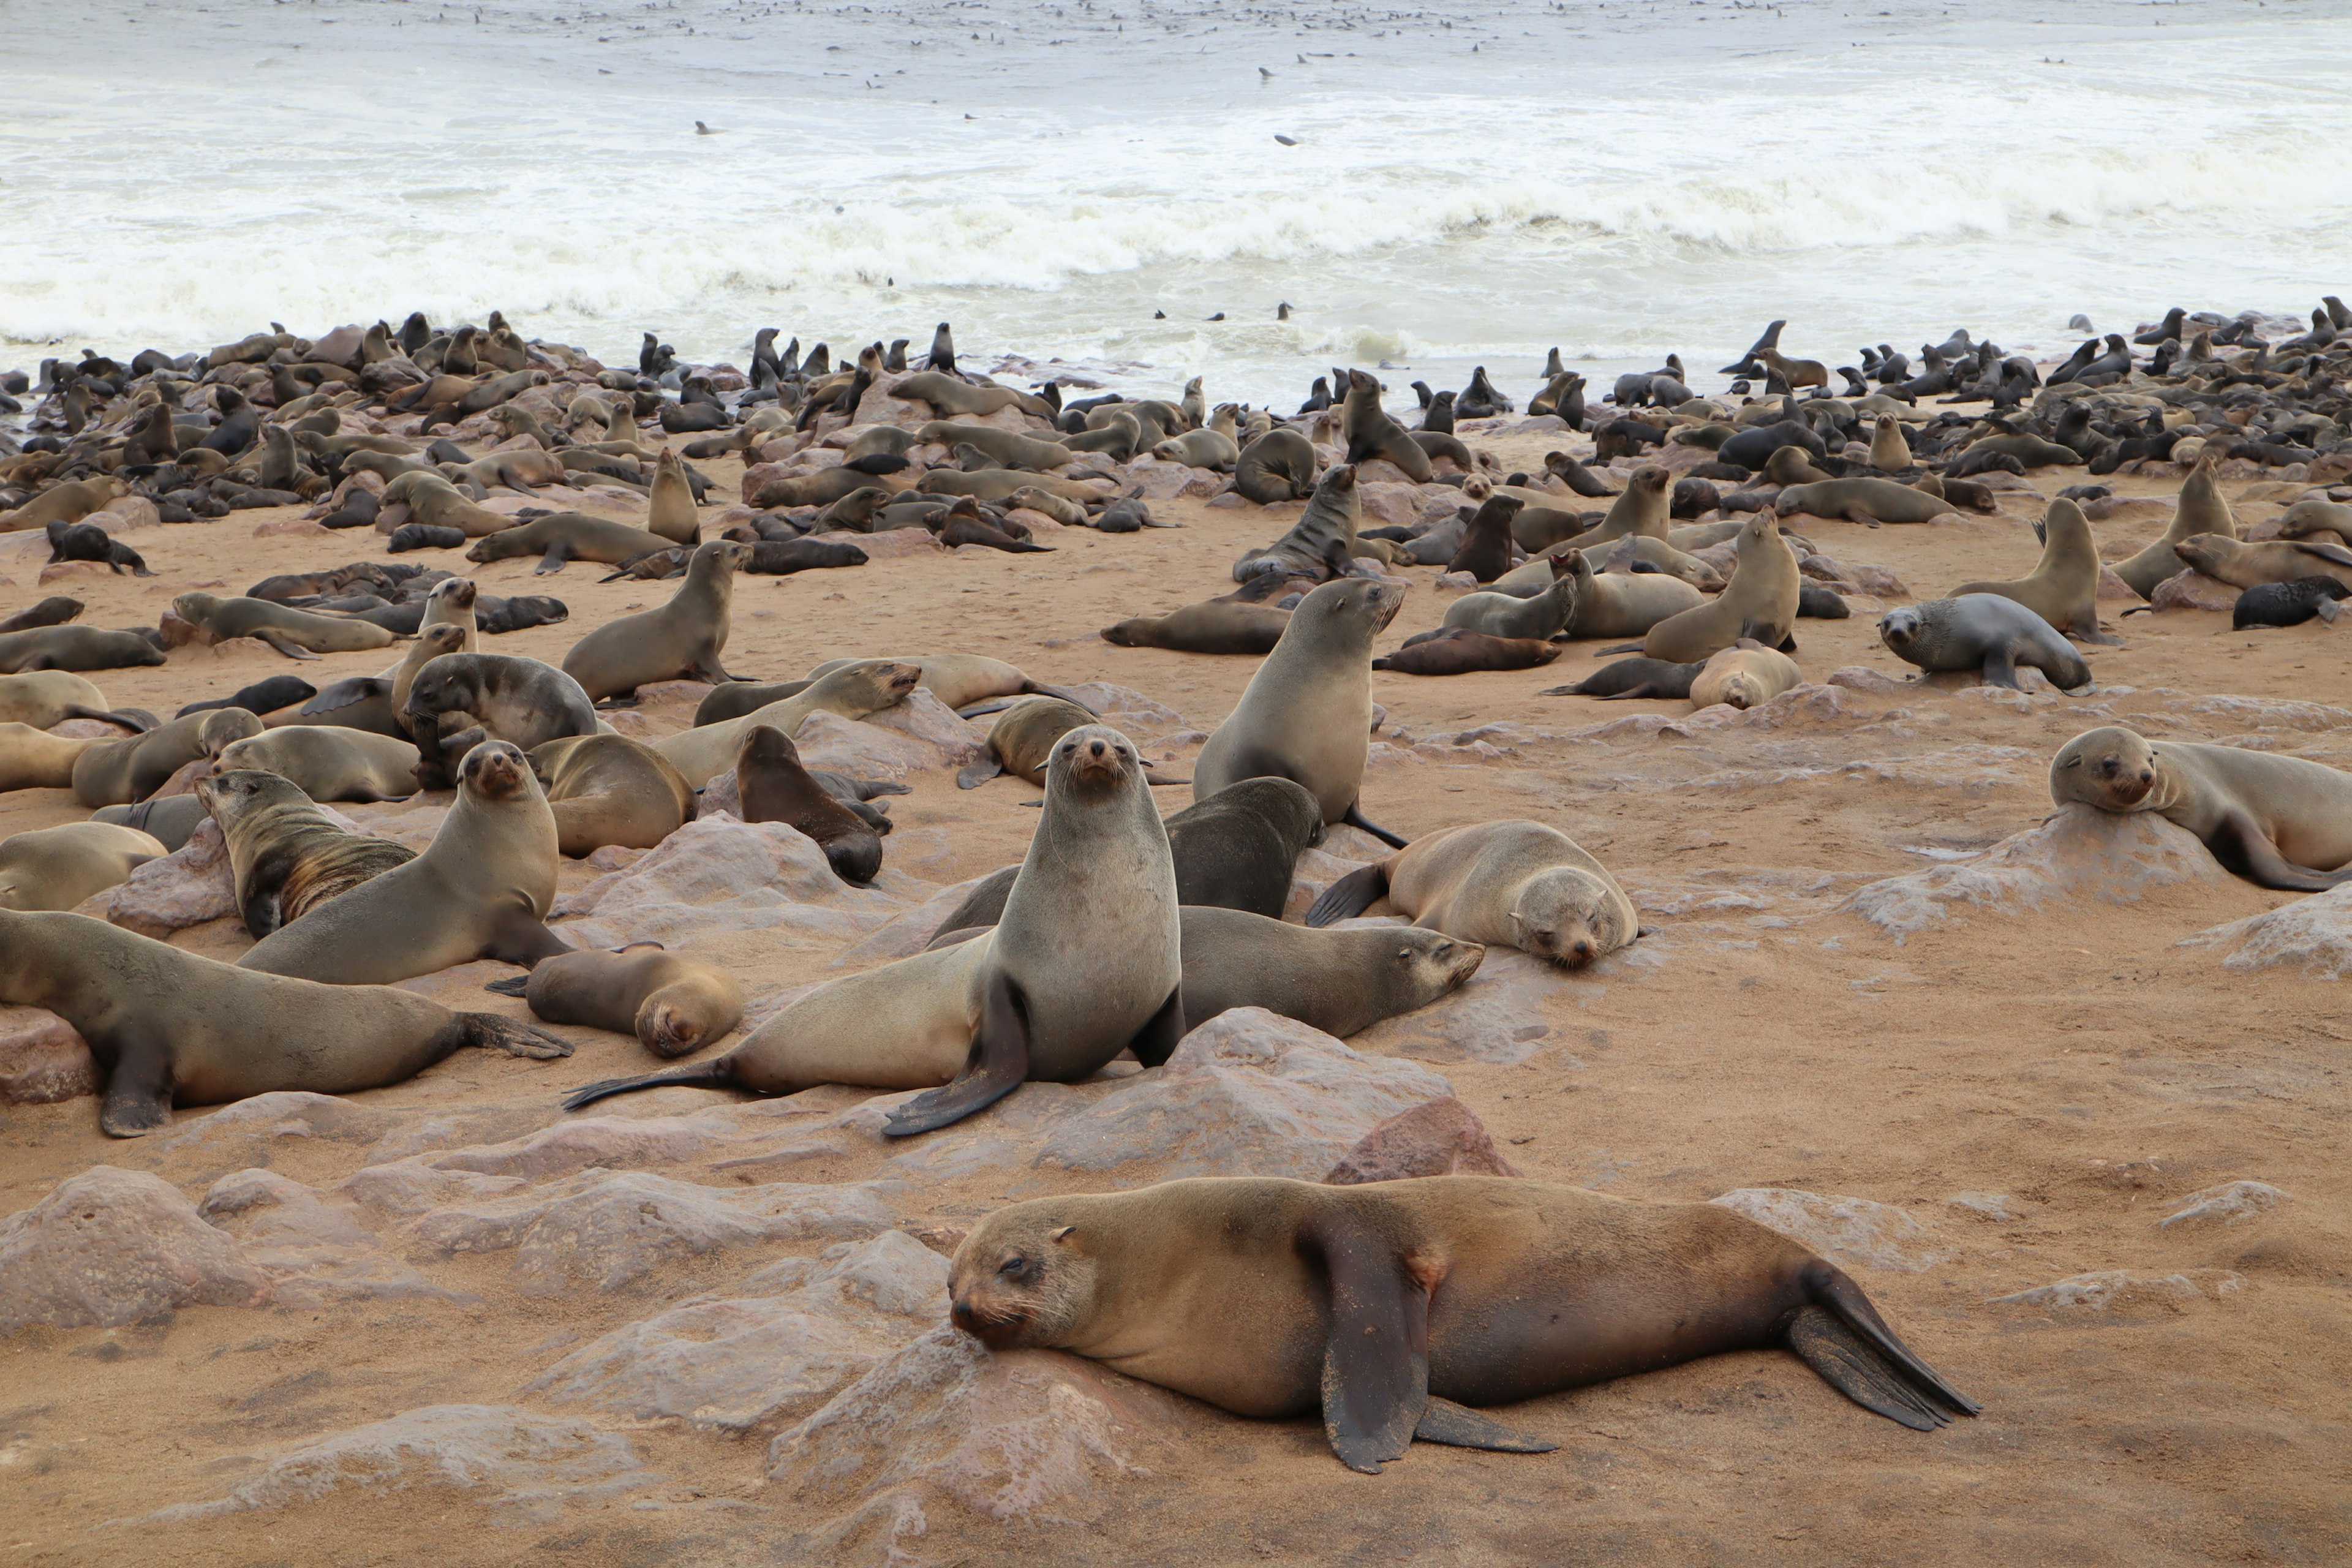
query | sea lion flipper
[1156, 1041]
[2239, 844]
[139, 1090]
[1854, 1369]
[512, 985]
[2001, 667]
[492, 1033]
[348, 693]
[281, 642]
[979, 771]
[557, 554]
[1351, 894]
[1376, 1362]
[998, 1065]
[1355, 818]
[1459, 1426]
[523, 939]
[128, 719]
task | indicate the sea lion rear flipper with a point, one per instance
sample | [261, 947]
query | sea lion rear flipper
[998, 1065]
[139, 1090]
[1376, 1362]
[282, 642]
[1854, 1370]
[1156, 1041]
[348, 693]
[1351, 894]
[1842, 1329]
[1617, 647]
[1355, 818]
[512, 985]
[979, 771]
[492, 1033]
[1459, 1426]
[138, 721]
[523, 939]
[2239, 844]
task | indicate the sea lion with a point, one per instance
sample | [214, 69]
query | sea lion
[2288, 603]
[1341, 982]
[1889, 452]
[1021, 742]
[1005, 448]
[287, 855]
[946, 395]
[170, 819]
[683, 640]
[480, 890]
[425, 497]
[1640, 510]
[1319, 542]
[1626, 678]
[2200, 509]
[373, 703]
[1503, 884]
[169, 1027]
[1370, 433]
[1086, 962]
[1216, 625]
[782, 558]
[1201, 449]
[774, 786]
[1985, 632]
[1508, 616]
[297, 634]
[1486, 547]
[34, 759]
[1760, 603]
[57, 868]
[422, 536]
[2063, 588]
[1459, 650]
[2312, 517]
[672, 1003]
[1745, 675]
[1383, 1305]
[1279, 466]
[328, 762]
[1795, 465]
[2270, 560]
[54, 611]
[563, 536]
[1608, 603]
[1307, 713]
[610, 789]
[852, 691]
[88, 541]
[68, 503]
[76, 648]
[264, 697]
[960, 679]
[116, 772]
[1865, 500]
[2279, 822]
[669, 501]
[43, 700]
[516, 699]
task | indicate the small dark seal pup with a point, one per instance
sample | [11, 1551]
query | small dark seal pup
[1630, 677]
[2289, 604]
[87, 542]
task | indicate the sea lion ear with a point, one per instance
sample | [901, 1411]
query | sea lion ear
[1063, 1236]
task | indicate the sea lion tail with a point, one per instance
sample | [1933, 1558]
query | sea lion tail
[714, 1074]
[1842, 1337]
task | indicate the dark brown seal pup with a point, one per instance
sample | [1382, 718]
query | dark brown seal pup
[775, 787]
[1486, 551]
[1631, 677]
[2288, 603]
[1458, 651]
[1393, 1305]
[169, 1027]
[87, 542]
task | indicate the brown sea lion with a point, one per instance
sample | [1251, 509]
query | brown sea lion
[2279, 822]
[2064, 587]
[287, 855]
[774, 786]
[1503, 884]
[610, 789]
[672, 1003]
[685, 639]
[57, 868]
[1460, 650]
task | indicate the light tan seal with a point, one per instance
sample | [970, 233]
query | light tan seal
[2269, 560]
[57, 868]
[1306, 714]
[610, 789]
[480, 891]
[1503, 884]
[35, 759]
[1760, 603]
[2200, 509]
[1086, 960]
[669, 501]
[851, 690]
[672, 1003]
[286, 854]
[1865, 500]
[960, 679]
[47, 697]
[329, 762]
[2063, 588]
[297, 634]
[2279, 822]
[1392, 1306]
[169, 1027]
[116, 772]
[683, 640]
[1745, 675]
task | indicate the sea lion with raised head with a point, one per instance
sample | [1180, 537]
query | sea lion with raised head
[683, 640]
[771, 784]
[2200, 509]
[1543, 615]
[481, 889]
[1306, 714]
[1984, 632]
[675, 1004]
[1394, 1307]
[1370, 433]
[2064, 587]
[669, 501]
[2279, 822]
[1486, 545]
[1503, 884]
[1319, 544]
[286, 854]
[563, 536]
[1086, 962]
[88, 541]
[609, 789]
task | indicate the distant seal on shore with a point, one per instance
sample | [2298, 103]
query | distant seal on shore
[1985, 632]
[1502, 884]
[1321, 544]
[672, 1003]
[1370, 433]
[609, 789]
[286, 854]
[1383, 1305]
[1212, 626]
[480, 890]
[169, 1027]
[2279, 822]
[683, 640]
[57, 868]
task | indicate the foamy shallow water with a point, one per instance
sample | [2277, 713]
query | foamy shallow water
[1619, 179]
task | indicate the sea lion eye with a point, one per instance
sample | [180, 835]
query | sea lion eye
[1012, 1266]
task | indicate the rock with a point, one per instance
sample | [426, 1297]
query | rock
[602, 1142]
[2313, 935]
[43, 1059]
[893, 542]
[1396, 505]
[604, 1230]
[511, 1459]
[312, 1246]
[1157, 480]
[718, 874]
[1984, 1205]
[125, 513]
[1862, 677]
[281, 1113]
[73, 570]
[1245, 1094]
[301, 526]
[2229, 1203]
[112, 1247]
[864, 749]
[2106, 1289]
[1138, 717]
[908, 933]
[1010, 1435]
[925, 720]
[1849, 1232]
[2112, 587]
[1437, 1138]
[186, 888]
[1878, 581]
[2194, 590]
[1498, 1016]
[730, 1366]
[2080, 853]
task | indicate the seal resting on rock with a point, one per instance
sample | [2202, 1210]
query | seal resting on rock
[2279, 822]
[1505, 884]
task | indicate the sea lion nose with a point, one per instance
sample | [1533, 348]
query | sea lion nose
[964, 1317]
[1095, 747]
[2148, 775]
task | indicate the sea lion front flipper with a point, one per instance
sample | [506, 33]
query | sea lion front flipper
[998, 1065]
[557, 554]
[1376, 1362]
[2001, 667]
[492, 1033]
[1156, 1041]
[347, 693]
[523, 939]
[512, 985]
[129, 719]
[139, 1090]
[1459, 1426]
[1351, 894]
[1355, 818]
[281, 642]
[2239, 844]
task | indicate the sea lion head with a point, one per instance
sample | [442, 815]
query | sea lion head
[1568, 917]
[1743, 689]
[2203, 552]
[193, 607]
[456, 593]
[2111, 767]
[1093, 759]
[1433, 962]
[1357, 607]
[721, 555]
[234, 794]
[1650, 479]
[883, 682]
[765, 746]
[496, 770]
[1023, 1278]
[225, 726]
[1899, 628]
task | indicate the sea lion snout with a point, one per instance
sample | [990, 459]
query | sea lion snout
[495, 768]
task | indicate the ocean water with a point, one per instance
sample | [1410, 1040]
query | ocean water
[1469, 184]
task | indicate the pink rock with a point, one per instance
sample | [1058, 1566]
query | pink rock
[75, 571]
[126, 513]
[718, 874]
[112, 1247]
[1391, 504]
[2113, 588]
[893, 542]
[1851, 1232]
[43, 1059]
[2194, 590]
[1438, 1138]
[186, 888]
